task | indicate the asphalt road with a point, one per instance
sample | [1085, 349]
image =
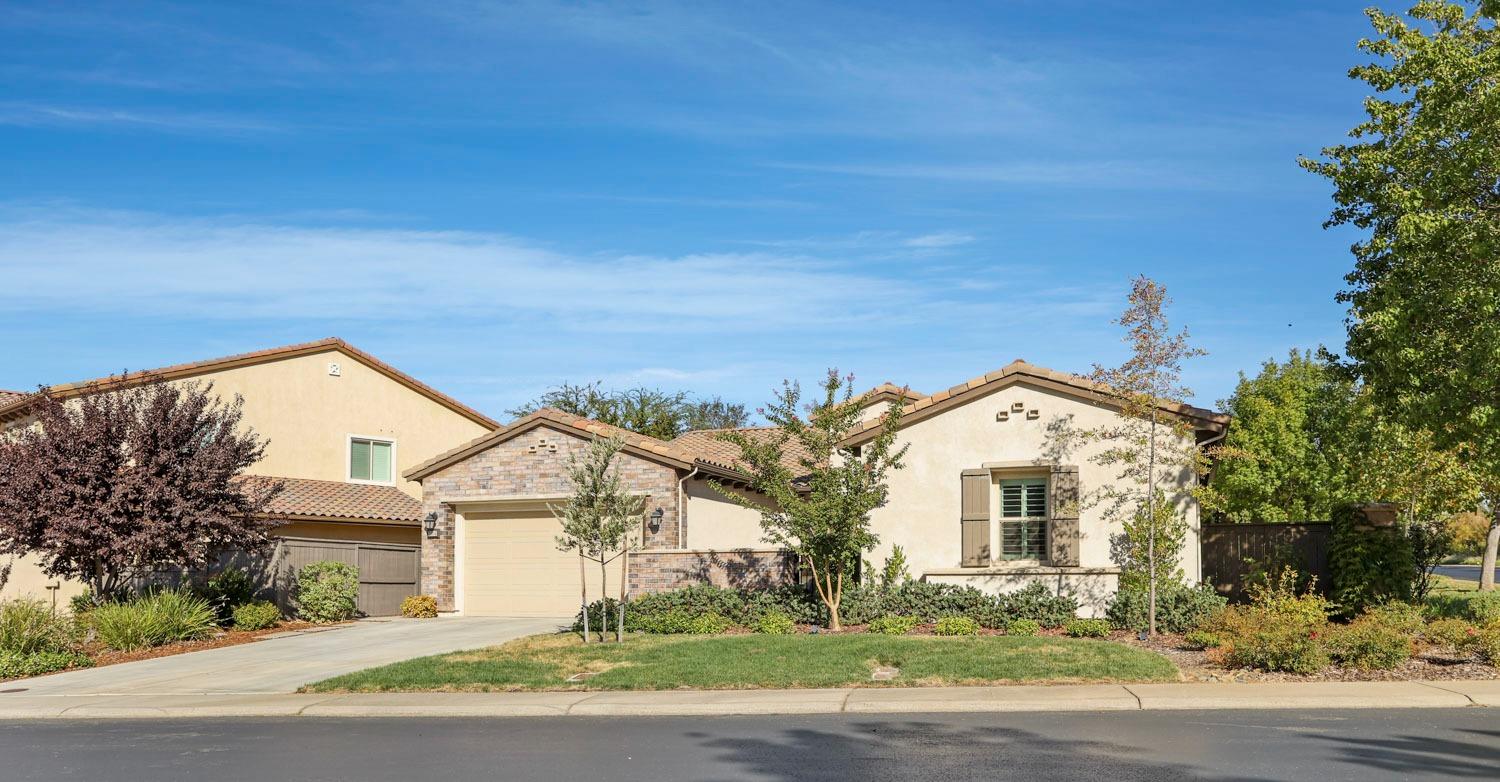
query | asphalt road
[1462, 572]
[1217, 745]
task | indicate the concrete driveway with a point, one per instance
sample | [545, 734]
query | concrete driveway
[283, 664]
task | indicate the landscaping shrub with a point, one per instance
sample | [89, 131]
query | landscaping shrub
[1489, 643]
[1455, 634]
[227, 591]
[1023, 627]
[30, 626]
[956, 625]
[1200, 640]
[1279, 631]
[257, 615]
[327, 591]
[1179, 608]
[420, 607]
[775, 623]
[1484, 608]
[647, 612]
[1403, 617]
[709, 624]
[81, 602]
[14, 665]
[1282, 646]
[1087, 628]
[1038, 603]
[892, 624]
[152, 620]
[1369, 643]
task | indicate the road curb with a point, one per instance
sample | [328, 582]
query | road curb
[691, 703]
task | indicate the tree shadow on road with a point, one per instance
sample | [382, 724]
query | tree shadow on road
[928, 751]
[1425, 755]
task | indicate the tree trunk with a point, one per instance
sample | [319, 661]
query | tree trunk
[1491, 544]
[836, 622]
[1151, 530]
[583, 581]
[603, 597]
[624, 566]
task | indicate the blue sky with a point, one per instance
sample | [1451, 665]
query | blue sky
[497, 197]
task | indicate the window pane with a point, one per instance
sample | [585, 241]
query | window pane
[380, 461]
[1036, 499]
[359, 460]
[1023, 498]
[1011, 500]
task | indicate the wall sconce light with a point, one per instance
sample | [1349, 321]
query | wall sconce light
[656, 519]
[429, 524]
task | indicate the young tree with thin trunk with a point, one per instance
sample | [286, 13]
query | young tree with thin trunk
[820, 501]
[1155, 453]
[1421, 180]
[598, 521]
[127, 479]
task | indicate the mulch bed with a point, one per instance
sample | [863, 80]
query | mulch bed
[1197, 666]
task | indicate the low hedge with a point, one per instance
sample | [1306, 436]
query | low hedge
[1179, 608]
[668, 612]
[14, 665]
[257, 615]
[327, 591]
[419, 607]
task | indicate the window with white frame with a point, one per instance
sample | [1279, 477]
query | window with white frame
[1023, 518]
[371, 460]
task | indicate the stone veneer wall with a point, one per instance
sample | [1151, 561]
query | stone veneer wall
[533, 463]
[655, 571]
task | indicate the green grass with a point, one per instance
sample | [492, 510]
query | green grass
[655, 662]
[1450, 597]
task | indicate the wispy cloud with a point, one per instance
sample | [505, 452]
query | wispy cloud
[939, 240]
[45, 115]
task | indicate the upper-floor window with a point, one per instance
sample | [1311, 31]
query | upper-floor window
[371, 460]
[1023, 518]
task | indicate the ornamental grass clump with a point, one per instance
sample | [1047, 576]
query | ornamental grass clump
[31, 626]
[159, 618]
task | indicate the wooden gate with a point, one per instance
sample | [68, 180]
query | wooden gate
[1232, 551]
[387, 571]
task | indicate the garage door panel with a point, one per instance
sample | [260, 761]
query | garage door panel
[512, 567]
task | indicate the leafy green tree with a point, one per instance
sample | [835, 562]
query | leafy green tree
[820, 501]
[598, 520]
[648, 411]
[1421, 180]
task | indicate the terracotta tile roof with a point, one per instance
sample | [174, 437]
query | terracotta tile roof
[1019, 371]
[888, 390]
[194, 368]
[10, 397]
[709, 447]
[586, 427]
[304, 497]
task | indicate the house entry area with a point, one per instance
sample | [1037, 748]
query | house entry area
[508, 564]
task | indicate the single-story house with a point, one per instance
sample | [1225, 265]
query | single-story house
[987, 498]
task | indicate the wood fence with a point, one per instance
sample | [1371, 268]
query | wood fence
[1231, 552]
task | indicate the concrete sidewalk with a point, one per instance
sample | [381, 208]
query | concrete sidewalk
[892, 700]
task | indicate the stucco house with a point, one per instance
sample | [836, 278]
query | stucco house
[342, 427]
[986, 499]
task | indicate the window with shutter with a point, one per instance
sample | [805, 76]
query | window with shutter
[1023, 518]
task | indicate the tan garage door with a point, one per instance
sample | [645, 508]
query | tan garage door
[511, 566]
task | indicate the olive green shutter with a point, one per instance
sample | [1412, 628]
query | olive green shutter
[975, 517]
[1062, 524]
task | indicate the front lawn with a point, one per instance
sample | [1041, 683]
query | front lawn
[665, 662]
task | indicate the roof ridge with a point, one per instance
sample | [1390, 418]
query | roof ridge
[723, 429]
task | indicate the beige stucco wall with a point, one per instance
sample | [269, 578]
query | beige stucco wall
[27, 580]
[923, 512]
[716, 524]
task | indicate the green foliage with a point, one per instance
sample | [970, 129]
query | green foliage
[743, 607]
[16, 665]
[956, 625]
[1370, 643]
[1037, 603]
[30, 626]
[1201, 639]
[81, 602]
[1369, 565]
[1280, 466]
[419, 607]
[227, 591]
[1023, 627]
[1087, 628]
[648, 411]
[1489, 643]
[821, 497]
[670, 622]
[775, 623]
[151, 620]
[1179, 608]
[927, 602]
[1484, 608]
[327, 591]
[257, 615]
[892, 624]
[1455, 634]
[1280, 630]
[709, 624]
[895, 571]
[600, 517]
[1405, 618]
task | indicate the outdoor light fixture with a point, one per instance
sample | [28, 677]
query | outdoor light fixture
[429, 524]
[656, 519]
